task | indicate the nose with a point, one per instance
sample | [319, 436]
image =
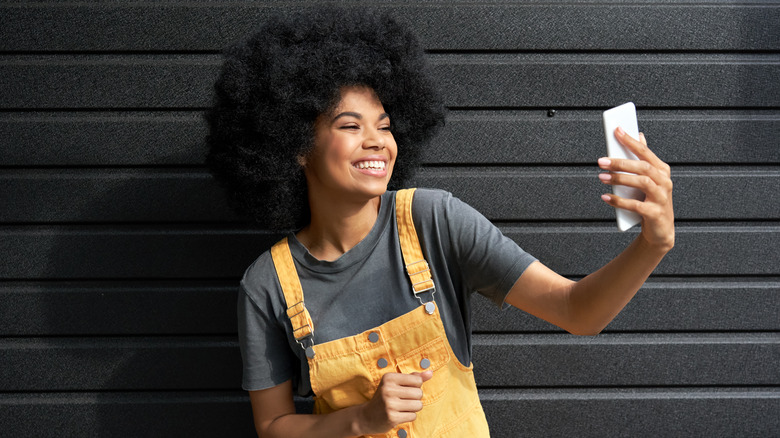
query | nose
[374, 140]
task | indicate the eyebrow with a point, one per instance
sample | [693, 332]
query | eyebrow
[357, 116]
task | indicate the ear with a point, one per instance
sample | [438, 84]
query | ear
[302, 160]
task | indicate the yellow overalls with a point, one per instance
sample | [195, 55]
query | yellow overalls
[345, 372]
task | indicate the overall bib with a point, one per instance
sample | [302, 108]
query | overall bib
[346, 372]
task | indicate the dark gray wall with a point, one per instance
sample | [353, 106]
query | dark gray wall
[119, 259]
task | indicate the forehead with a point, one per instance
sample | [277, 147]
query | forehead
[358, 97]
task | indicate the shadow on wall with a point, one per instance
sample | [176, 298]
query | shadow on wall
[134, 312]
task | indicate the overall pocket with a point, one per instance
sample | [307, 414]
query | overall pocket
[433, 356]
[341, 381]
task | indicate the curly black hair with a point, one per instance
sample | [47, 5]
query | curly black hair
[273, 86]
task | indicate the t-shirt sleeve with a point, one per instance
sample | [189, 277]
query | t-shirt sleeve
[490, 262]
[266, 355]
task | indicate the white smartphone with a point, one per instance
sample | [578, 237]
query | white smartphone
[625, 117]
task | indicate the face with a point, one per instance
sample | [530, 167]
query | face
[354, 150]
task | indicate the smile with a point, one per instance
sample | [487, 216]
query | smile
[374, 165]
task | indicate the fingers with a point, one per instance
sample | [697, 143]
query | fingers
[425, 375]
[653, 181]
[406, 386]
[650, 175]
[647, 166]
[647, 185]
[640, 149]
[397, 400]
[624, 203]
[658, 174]
[413, 380]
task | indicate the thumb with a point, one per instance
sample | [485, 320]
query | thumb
[426, 376]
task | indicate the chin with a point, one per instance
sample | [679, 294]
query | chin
[379, 191]
[375, 188]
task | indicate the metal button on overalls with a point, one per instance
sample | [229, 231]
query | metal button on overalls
[343, 372]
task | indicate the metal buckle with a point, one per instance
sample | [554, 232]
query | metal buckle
[424, 281]
[428, 304]
[307, 343]
[303, 307]
[426, 268]
[308, 335]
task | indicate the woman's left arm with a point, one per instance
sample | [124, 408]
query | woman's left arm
[585, 307]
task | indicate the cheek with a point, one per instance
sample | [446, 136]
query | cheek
[328, 153]
[394, 151]
[340, 147]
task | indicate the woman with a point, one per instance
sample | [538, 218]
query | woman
[366, 304]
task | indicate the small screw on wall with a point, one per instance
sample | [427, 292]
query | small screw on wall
[550, 113]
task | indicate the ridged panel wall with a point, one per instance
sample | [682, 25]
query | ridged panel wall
[120, 259]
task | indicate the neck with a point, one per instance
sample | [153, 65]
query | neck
[337, 225]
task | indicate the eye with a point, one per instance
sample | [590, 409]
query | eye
[350, 126]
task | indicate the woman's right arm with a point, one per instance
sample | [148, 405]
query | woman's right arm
[397, 400]
[274, 413]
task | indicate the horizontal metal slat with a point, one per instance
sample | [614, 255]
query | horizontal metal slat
[136, 363]
[102, 139]
[574, 193]
[509, 194]
[119, 252]
[118, 308]
[208, 308]
[114, 414]
[626, 360]
[606, 80]
[110, 195]
[699, 250]
[633, 412]
[557, 360]
[469, 137]
[129, 252]
[665, 306]
[107, 81]
[553, 413]
[466, 80]
[576, 136]
[47, 26]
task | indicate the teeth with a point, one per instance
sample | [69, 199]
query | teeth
[378, 165]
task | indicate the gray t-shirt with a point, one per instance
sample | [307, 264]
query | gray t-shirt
[368, 286]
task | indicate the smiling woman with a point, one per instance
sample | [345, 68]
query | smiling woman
[365, 304]
[354, 150]
[276, 84]
[348, 169]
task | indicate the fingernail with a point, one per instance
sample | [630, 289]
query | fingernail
[605, 198]
[604, 162]
[620, 131]
[605, 176]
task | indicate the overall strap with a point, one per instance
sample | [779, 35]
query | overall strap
[416, 266]
[303, 327]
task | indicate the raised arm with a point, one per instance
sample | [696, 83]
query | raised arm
[585, 307]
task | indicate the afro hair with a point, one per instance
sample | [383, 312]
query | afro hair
[273, 86]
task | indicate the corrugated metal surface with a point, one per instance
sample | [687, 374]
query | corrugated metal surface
[119, 258]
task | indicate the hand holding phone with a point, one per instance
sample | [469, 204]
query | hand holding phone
[625, 117]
